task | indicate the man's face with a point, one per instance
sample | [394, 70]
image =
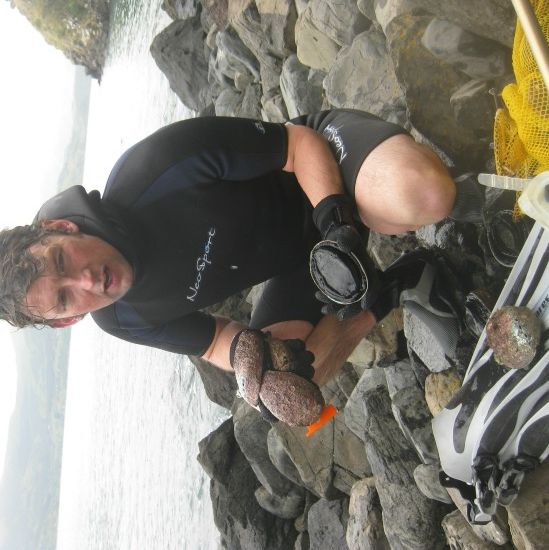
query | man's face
[82, 274]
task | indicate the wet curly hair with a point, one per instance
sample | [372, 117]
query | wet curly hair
[18, 270]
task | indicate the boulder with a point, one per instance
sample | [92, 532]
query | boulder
[301, 87]
[363, 77]
[440, 387]
[529, 513]
[365, 525]
[232, 102]
[477, 57]
[242, 523]
[220, 385]
[428, 84]
[266, 27]
[460, 535]
[409, 518]
[327, 522]
[179, 53]
[250, 431]
[427, 480]
[180, 9]
[410, 410]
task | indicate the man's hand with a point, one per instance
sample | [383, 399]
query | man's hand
[274, 376]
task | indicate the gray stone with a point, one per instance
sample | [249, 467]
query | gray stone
[266, 27]
[410, 519]
[474, 108]
[233, 58]
[350, 462]
[460, 536]
[305, 461]
[529, 513]
[289, 506]
[366, 7]
[363, 77]
[365, 525]
[251, 432]
[179, 53]
[314, 48]
[427, 479]
[327, 523]
[496, 531]
[428, 84]
[338, 390]
[242, 523]
[479, 58]
[302, 542]
[231, 102]
[372, 379]
[220, 386]
[385, 11]
[274, 108]
[494, 19]
[301, 87]
[180, 9]
[410, 410]
[420, 339]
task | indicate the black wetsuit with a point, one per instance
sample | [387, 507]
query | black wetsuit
[201, 209]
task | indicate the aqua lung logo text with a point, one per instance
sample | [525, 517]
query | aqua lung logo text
[202, 263]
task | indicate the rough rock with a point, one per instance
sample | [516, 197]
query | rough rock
[232, 102]
[460, 536]
[327, 523]
[301, 87]
[313, 47]
[251, 431]
[180, 9]
[289, 506]
[179, 53]
[305, 461]
[496, 531]
[410, 519]
[355, 416]
[410, 410]
[365, 525]
[479, 58]
[440, 387]
[427, 480]
[529, 513]
[242, 523]
[474, 108]
[266, 27]
[428, 84]
[363, 77]
[220, 386]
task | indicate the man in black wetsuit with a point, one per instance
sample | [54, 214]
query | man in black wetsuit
[207, 207]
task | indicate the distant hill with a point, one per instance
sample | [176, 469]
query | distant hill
[29, 489]
[79, 28]
[72, 171]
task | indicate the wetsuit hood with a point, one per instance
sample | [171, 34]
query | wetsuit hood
[96, 217]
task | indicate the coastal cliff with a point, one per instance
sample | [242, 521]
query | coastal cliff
[79, 28]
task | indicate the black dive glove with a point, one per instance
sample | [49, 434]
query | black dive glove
[275, 376]
[340, 267]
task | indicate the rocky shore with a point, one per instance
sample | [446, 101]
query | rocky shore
[369, 479]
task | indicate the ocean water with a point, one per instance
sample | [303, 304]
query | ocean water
[134, 416]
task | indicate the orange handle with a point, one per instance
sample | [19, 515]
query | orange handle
[328, 412]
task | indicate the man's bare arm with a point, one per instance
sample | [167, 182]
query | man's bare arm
[312, 162]
[218, 352]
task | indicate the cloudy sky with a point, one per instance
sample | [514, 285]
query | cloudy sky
[35, 103]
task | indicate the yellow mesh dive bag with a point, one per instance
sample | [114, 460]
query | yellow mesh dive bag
[521, 131]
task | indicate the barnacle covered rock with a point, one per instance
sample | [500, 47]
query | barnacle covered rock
[514, 334]
[277, 375]
[291, 398]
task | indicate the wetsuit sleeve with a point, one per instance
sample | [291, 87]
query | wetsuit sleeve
[200, 149]
[191, 334]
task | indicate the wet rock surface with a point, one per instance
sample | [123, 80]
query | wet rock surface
[367, 479]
